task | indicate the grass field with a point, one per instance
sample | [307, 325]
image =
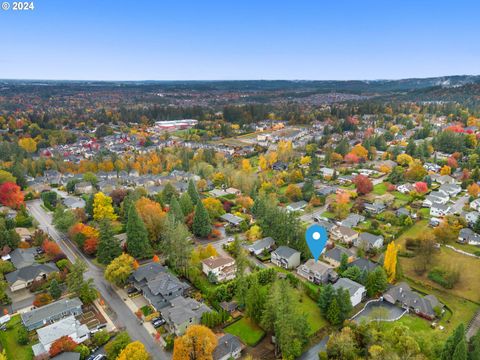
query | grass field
[315, 319]
[249, 332]
[380, 189]
[8, 339]
[414, 232]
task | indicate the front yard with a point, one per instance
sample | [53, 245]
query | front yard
[249, 332]
[8, 339]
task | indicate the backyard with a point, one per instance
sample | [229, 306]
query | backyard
[249, 332]
[8, 339]
[314, 317]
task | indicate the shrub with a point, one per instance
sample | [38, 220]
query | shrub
[22, 335]
[62, 264]
[445, 278]
[101, 337]
[42, 299]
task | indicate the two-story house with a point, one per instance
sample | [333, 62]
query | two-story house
[285, 257]
[222, 268]
[317, 272]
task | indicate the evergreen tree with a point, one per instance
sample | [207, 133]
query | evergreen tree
[451, 344]
[138, 244]
[333, 313]
[255, 300]
[108, 247]
[327, 294]
[192, 192]
[176, 210]
[186, 203]
[343, 263]
[460, 352]
[201, 221]
[54, 289]
[344, 303]
[89, 206]
[376, 282]
[177, 244]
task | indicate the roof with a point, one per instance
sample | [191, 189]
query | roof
[214, 262]
[64, 327]
[347, 284]
[337, 252]
[67, 356]
[352, 220]
[317, 266]
[30, 272]
[363, 264]
[285, 252]
[233, 219]
[345, 231]
[183, 309]
[52, 309]
[227, 344]
[148, 271]
[404, 294]
[370, 238]
[23, 257]
[262, 244]
[297, 205]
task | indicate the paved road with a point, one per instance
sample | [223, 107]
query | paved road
[308, 218]
[312, 353]
[123, 318]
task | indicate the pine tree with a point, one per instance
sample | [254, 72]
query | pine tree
[376, 282]
[327, 294]
[201, 221]
[176, 210]
[343, 263]
[453, 340]
[186, 203]
[138, 244]
[333, 313]
[460, 352]
[344, 303]
[108, 247]
[54, 289]
[89, 206]
[192, 192]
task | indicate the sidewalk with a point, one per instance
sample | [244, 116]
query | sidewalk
[110, 325]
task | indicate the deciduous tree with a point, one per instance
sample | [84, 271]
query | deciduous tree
[390, 262]
[102, 207]
[198, 343]
[134, 351]
[363, 184]
[119, 269]
[11, 195]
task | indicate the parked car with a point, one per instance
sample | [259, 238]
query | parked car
[40, 251]
[98, 328]
[132, 292]
[97, 357]
[157, 322]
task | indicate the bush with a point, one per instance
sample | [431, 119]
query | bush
[445, 278]
[101, 337]
[22, 335]
[63, 264]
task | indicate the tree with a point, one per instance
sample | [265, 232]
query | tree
[363, 184]
[137, 236]
[360, 151]
[11, 195]
[51, 248]
[390, 262]
[90, 246]
[177, 244]
[353, 273]
[214, 207]
[198, 343]
[102, 207]
[445, 170]
[28, 144]
[42, 299]
[255, 300]
[342, 345]
[460, 351]
[376, 281]
[327, 293]
[152, 216]
[473, 190]
[5, 176]
[176, 210]
[167, 193]
[108, 247]
[192, 192]
[186, 203]
[343, 263]
[54, 289]
[63, 344]
[201, 221]
[445, 233]
[101, 337]
[452, 342]
[293, 192]
[115, 347]
[421, 187]
[134, 351]
[404, 159]
[119, 269]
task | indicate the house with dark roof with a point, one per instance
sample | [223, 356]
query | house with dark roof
[182, 313]
[157, 285]
[403, 295]
[231, 219]
[468, 236]
[363, 264]
[229, 347]
[260, 246]
[24, 277]
[317, 272]
[50, 313]
[352, 220]
[369, 241]
[21, 258]
[285, 257]
[334, 256]
[374, 208]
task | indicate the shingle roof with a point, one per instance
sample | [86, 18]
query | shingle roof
[227, 344]
[285, 252]
[30, 272]
[64, 327]
[53, 309]
[22, 257]
[348, 284]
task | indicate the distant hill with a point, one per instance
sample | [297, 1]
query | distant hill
[460, 93]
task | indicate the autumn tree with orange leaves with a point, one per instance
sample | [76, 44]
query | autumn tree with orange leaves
[152, 216]
[11, 195]
[198, 343]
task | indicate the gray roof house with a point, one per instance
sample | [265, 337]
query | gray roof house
[231, 219]
[158, 285]
[374, 208]
[297, 206]
[22, 278]
[363, 264]
[229, 347]
[261, 245]
[468, 236]
[66, 327]
[182, 313]
[21, 258]
[74, 202]
[334, 255]
[285, 257]
[369, 241]
[411, 300]
[357, 291]
[317, 272]
[47, 314]
[352, 220]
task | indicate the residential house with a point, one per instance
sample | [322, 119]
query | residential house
[72, 202]
[472, 217]
[279, 165]
[435, 197]
[157, 285]
[9, 214]
[233, 191]
[50, 313]
[369, 241]
[24, 233]
[442, 179]
[475, 204]
[344, 234]
[357, 291]
[374, 208]
[352, 220]
[222, 267]
[450, 189]
[231, 219]
[402, 212]
[260, 246]
[217, 193]
[229, 347]
[405, 188]
[21, 258]
[468, 236]
[317, 272]
[424, 306]
[363, 264]
[327, 172]
[297, 206]
[334, 256]
[324, 223]
[69, 326]
[432, 167]
[285, 257]
[182, 313]
[440, 210]
[84, 187]
[327, 190]
[24, 277]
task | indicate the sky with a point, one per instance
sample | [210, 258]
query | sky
[240, 39]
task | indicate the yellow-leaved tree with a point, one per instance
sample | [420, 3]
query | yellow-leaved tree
[28, 144]
[198, 343]
[390, 262]
[134, 351]
[102, 207]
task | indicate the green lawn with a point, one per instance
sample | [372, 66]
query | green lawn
[328, 215]
[249, 332]
[315, 319]
[403, 197]
[8, 339]
[380, 189]
[415, 231]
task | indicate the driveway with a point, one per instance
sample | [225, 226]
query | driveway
[458, 204]
[371, 312]
[121, 314]
[312, 353]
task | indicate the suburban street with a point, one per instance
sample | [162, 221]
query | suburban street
[124, 318]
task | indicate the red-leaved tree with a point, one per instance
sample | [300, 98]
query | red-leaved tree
[90, 246]
[11, 195]
[363, 184]
[421, 187]
[51, 248]
[65, 343]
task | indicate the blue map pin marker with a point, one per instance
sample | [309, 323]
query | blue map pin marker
[316, 237]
